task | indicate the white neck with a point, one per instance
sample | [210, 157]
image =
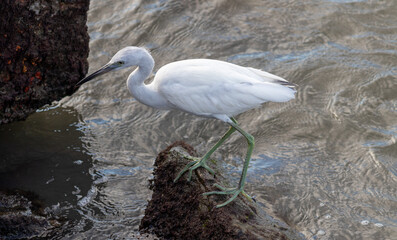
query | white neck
[145, 94]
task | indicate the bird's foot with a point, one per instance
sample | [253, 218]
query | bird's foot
[193, 165]
[228, 191]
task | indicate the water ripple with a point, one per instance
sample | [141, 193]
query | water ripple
[324, 162]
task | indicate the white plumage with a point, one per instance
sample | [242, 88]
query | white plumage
[210, 87]
[203, 87]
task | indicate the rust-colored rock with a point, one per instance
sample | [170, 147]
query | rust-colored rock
[43, 53]
[180, 211]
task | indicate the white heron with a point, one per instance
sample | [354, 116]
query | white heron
[204, 87]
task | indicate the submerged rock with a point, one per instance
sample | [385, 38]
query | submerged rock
[180, 211]
[22, 216]
[43, 53]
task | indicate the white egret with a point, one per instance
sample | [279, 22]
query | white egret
[204, 87]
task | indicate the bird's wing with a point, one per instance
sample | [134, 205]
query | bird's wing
[210, 87]
[268, 77]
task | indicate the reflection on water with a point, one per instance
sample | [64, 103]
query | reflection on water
[325, 162]
[44, 154]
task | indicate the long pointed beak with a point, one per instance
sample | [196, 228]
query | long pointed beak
[106, 68]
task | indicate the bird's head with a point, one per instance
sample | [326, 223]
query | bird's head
[124, 58]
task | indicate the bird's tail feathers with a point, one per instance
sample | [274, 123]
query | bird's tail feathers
[271, 92]
[271, 78]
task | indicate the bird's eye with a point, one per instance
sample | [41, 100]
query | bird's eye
[120, 62]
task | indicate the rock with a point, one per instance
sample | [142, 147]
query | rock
[43, 53]
[180, 211]
[22, 216]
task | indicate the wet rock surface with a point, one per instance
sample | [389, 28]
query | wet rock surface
[43, 53]
[180, 211]
[22, 216]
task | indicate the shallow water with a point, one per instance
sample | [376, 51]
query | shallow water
[325, 162]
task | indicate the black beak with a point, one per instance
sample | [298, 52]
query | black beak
[106, 68]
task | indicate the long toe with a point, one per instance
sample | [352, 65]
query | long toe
[193, 165]
[229, 200]
[227, 191]
[185, 169]
[203, 164]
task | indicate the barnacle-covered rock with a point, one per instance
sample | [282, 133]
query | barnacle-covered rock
[43, 53]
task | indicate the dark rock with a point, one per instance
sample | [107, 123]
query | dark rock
[43, 53]
[22, 216]
[180, 211]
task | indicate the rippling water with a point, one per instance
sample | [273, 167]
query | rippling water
[325, 162]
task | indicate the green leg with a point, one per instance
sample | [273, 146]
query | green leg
[240, 188]
[197, 162]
